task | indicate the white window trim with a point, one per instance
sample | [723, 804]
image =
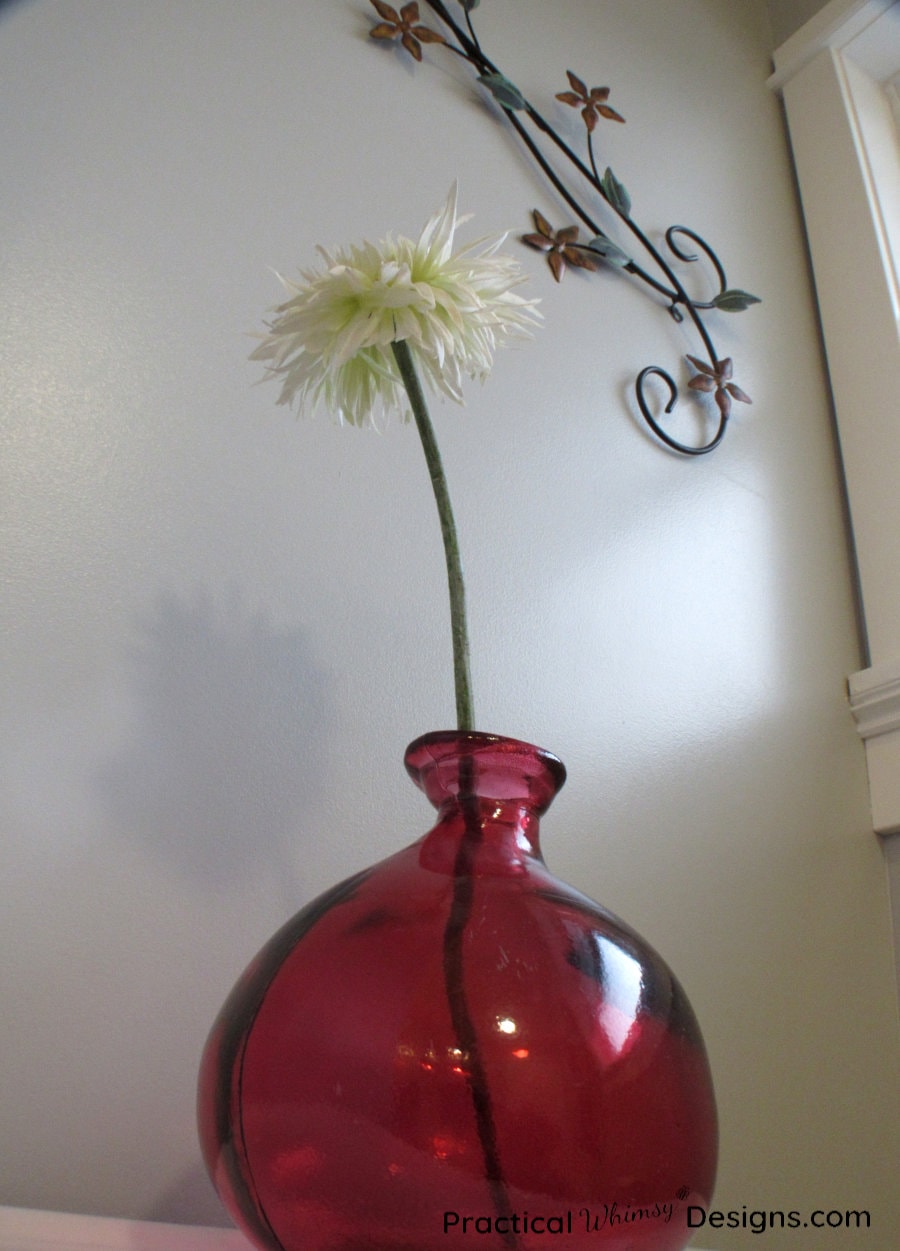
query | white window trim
[834, 76]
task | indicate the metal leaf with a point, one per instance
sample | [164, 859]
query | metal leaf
[734, 300]
[504, 92]
[616, 193]
[611, 252]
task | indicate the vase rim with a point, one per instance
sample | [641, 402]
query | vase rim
[429, 750]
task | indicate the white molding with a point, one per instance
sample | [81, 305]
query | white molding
[875, 699]
[835, 26]
[883, 765]
[831, 76]
[875, 702]
[23, 1229]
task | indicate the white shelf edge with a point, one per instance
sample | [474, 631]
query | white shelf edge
[25, 1229]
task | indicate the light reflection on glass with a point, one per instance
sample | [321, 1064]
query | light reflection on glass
[622, 986]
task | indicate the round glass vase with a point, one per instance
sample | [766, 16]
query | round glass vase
[454, 1049]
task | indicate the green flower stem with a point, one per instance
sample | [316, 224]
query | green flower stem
[465, 717]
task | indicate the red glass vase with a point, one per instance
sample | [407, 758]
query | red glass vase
[453, 1049]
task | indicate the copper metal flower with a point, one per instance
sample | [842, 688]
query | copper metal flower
[405, 27]
[561, 246]
[718, 381]
[592, 103]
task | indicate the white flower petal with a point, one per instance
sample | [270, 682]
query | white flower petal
[329, 343]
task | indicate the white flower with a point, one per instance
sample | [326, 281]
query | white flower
[330, 342]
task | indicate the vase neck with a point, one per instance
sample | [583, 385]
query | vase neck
[490, 792]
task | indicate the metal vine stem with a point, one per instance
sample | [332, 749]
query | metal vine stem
[712, 375]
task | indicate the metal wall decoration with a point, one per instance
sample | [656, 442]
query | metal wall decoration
[584, 190]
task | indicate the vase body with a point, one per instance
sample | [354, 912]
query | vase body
[454, 1049]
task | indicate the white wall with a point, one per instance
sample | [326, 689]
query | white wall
[223, 625]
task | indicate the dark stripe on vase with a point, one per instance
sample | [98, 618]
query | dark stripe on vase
[460, 1016]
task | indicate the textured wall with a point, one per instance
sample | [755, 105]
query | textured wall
[223, 625]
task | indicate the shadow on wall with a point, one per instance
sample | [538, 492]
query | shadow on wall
[225, 745]
[7, 5]
[190, 1200]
